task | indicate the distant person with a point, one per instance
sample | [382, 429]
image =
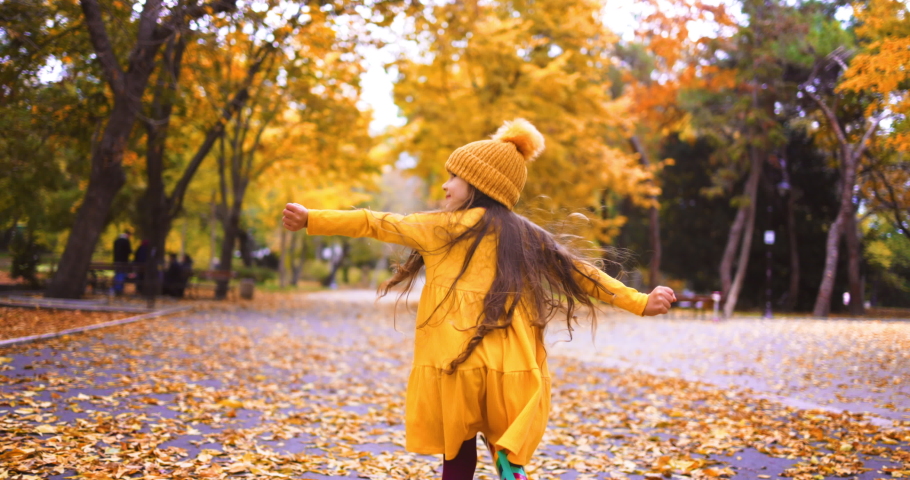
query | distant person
[494, 281]
[173, 277]
[186, 272]
[140, 257]
[187, 262]
[122, 250]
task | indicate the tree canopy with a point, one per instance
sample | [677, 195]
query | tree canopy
[682, 138]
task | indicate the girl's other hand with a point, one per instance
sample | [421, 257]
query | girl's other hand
[659, 301]
[295, 216]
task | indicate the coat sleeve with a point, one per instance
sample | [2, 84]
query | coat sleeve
[415, 231]
[617, 293]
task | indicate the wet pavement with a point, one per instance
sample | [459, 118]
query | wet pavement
[312, 386]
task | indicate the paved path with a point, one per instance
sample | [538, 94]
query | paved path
[312, 386]
[861, 366]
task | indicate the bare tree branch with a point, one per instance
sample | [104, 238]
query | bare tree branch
[191, 13]
[866, 135]
[831, 116]
[892, 205]
[829, 113]
[101, 43]
[838, 56]
[216, 131]
[148, 20]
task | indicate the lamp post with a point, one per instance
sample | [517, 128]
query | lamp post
[769, 240]
[783, 187]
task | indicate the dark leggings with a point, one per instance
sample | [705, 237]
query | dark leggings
[462, 466]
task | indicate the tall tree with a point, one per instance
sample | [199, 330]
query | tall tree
[127, 87]
[851, 145]
[747, 123]
[301, 118]
[544, 61]
[740, 121]
[669, 60]
[51, 112]
[161, 207]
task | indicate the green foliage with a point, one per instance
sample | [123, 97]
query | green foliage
[888, 254]
[25, 254]
[826, 35]
[259, 274]
[316, 269]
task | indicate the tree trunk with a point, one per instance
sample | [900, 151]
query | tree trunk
[654, 235]
[106, 179]
[297, 266]
[823, 300]
[653, 222]
[832, 244]
[159, 220]
[231, 226]
[128, 87]
[157, 224]
[854, 255]
[345, 261]
[729, 255]
[850, 155]
[246, 246]
[283, 258]
[232, 233]
[336, 264]
[745, 248]
[213, 231]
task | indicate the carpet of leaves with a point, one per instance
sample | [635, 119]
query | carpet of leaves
[18, 322]
[859, 365]
[313, 387]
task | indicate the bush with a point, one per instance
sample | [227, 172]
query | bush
[25, 255]
[316, 269]
[258, 274]
[269, 261]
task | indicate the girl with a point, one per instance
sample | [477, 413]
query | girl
[493, 281]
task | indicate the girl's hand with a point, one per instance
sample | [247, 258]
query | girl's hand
[659, 301]
[295, 216]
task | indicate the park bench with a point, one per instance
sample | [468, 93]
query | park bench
[200, 280]
[101, 283]
[207, 280]
[699, 304]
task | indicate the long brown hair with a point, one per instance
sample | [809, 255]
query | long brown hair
[533, 270]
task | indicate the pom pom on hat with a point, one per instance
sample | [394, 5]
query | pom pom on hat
[523, 135]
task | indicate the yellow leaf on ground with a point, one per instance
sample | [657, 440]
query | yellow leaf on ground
[46, 429]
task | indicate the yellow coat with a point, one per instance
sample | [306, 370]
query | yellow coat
[503, 389]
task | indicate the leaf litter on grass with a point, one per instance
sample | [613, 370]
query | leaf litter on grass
[293, 386]
[17, 322]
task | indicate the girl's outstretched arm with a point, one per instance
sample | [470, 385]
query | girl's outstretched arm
[415, 231]
[622, 296]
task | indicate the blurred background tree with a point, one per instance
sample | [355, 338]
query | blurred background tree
[682, 138]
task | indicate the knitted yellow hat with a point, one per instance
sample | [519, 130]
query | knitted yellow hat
[496, 167]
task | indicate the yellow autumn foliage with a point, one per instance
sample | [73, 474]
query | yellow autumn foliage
[880, 67]
[545, 61]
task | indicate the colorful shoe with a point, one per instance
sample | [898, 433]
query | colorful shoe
[508, 470]
[489, 445]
